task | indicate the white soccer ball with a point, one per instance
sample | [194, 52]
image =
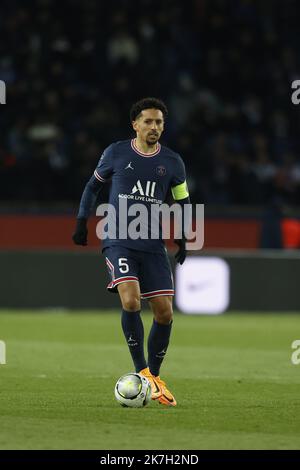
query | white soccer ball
[133, 390]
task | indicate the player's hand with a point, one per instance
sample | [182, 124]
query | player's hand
[181, 253]
[79, 237]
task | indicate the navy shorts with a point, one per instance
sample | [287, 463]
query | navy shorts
[151, 270]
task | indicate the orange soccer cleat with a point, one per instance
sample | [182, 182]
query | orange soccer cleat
[159, 389]
[155, 387]
[166, 397]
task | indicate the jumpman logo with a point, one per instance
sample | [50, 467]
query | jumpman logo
[129, 166]
[162, 353]
[131, 341]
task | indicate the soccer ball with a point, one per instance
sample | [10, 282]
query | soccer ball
[133, 390]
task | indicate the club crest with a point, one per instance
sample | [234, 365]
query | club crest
[160, 170]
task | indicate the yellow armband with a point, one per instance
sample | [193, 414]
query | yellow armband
[180, 191]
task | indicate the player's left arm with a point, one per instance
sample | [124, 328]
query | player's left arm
[181, 196]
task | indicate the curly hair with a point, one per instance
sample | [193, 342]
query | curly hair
[147, 103]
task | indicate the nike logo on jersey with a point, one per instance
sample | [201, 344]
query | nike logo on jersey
[129, 166]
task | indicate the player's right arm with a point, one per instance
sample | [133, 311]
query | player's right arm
[102, 173]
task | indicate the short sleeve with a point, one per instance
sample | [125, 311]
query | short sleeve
[105, 168]
[178, 184]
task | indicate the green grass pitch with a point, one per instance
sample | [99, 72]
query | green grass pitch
[232, 376]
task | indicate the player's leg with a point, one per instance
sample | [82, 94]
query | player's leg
[132, 324]
[158, 342]
[159, 336]
[123, 267]
[156, 283]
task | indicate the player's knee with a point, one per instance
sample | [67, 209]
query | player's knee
[131, 304]
[164, 316]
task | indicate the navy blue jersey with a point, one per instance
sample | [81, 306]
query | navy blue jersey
[139, 178]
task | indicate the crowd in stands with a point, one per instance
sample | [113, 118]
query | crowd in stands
[223, 67]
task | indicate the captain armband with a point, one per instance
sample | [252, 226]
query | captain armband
[180, 191]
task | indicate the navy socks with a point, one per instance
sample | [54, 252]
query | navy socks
[134, 333]
[158, 342]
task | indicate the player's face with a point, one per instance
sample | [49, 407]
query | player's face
[149, 125]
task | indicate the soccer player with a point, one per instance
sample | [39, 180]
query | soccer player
[140, 170]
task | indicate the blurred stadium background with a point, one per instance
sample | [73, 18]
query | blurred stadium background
[225, 71]
[72, 69]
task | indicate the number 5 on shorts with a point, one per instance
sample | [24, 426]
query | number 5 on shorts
[123, 266]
